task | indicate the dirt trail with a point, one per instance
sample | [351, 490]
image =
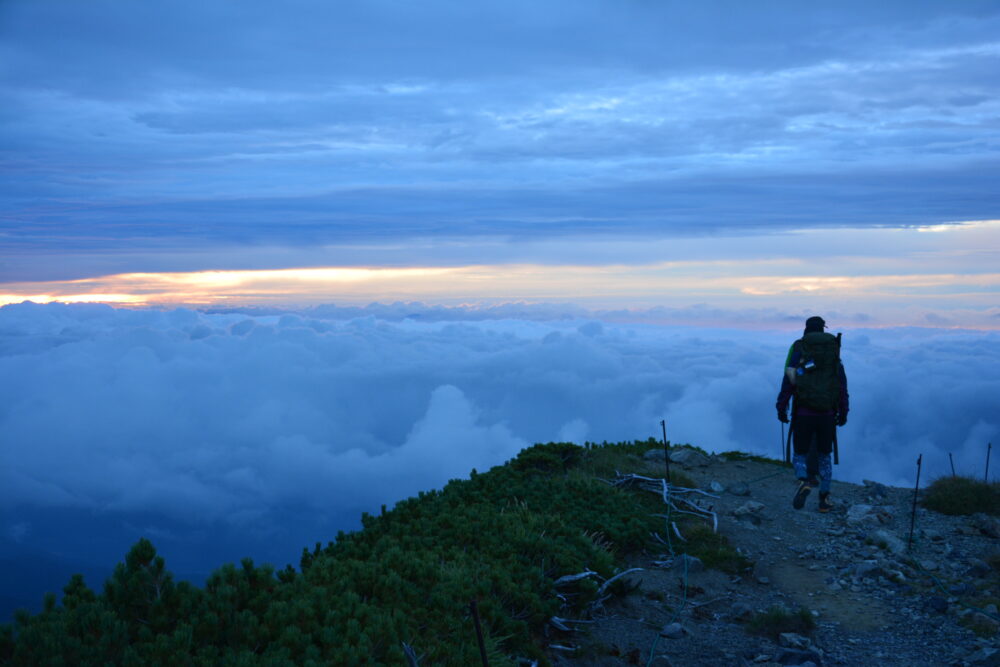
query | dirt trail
[802, 559]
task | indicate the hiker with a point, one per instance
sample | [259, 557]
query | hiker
[815, 377]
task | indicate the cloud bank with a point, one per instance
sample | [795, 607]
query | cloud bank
[240, 420]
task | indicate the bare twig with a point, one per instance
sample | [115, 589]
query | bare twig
[618, 576]
[412, 660]
[570, 578]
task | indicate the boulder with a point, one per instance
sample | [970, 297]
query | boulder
[793, 640]
[750, 507]
[868, 514]
[891, 542]
[674, 631]
[986, 524]
[688, 457]
[739, 489]
[692, 563]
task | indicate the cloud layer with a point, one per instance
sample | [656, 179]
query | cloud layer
[250, 423]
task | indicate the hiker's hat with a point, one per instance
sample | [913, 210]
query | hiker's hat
[815, 323]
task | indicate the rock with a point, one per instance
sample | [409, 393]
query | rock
[739, 489]
[792, 656]
[986, 524]
[932, 535]
[740, 611]
[764, 581]
[692, 563]
[891, 542]
[936, 604]
[674, 631]
[876, 489]
[793, 640]
[716, 487]
[655, 455]
[928, 564]
[750, 507]
[688, 457]
[961, 589]
[987, 656]
[977, 568]
[866, 568]
[861, 513]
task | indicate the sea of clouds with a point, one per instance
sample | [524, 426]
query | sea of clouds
[224, 434]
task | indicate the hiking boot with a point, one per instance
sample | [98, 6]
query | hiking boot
[805, 486]
[824, 502]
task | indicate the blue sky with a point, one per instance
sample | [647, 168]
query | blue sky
[188, 136]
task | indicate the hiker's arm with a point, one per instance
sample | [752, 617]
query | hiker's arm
[787, 388]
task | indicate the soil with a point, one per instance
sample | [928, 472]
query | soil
[871, 606]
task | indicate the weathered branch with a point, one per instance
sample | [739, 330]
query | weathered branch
[607, 583]
[570, 578]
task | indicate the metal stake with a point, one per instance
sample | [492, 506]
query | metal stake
[986, 477]
[666, 448]
[952, 461]
[913, 516]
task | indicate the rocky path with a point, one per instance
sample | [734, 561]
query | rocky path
[874, 601]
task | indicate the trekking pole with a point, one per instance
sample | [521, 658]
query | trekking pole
[986, 477]
[913, 515]
[788, 442]
[666, 448]
[474, 607]
[781, 443]
[952, 462]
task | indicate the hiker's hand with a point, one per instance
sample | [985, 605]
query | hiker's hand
[782, 416]
[841, 419]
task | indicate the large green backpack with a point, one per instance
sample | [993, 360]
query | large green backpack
[817, 381]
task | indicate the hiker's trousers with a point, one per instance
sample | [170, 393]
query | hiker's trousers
[812, 440]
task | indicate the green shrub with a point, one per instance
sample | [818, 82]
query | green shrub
[777, 620]
[500, 537]
[713, 549]
[962, 495]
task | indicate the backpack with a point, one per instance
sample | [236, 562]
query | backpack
[817, 380]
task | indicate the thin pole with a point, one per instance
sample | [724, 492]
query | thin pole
[952, 461]
[913, 516]
[781, 445]
[666, 448]
[986, 477]
[479, 632]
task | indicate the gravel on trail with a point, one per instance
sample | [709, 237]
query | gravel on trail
[876, 599]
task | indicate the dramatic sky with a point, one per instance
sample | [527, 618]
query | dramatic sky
[574, 218]
[613, 153]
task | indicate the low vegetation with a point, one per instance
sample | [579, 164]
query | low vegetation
[963, 495]
[406, 579]
[778, 620]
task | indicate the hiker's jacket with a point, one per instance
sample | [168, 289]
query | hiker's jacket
[788, 389]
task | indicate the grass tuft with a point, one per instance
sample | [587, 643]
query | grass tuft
[777, 620]
[714, 550]
[962, 495]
